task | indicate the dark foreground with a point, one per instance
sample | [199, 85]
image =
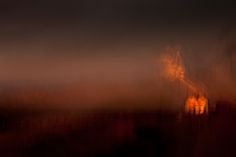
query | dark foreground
[117, 133]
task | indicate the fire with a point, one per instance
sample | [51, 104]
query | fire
[196, 105]
[174, 69]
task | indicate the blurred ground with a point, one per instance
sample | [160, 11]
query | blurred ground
[26, 133]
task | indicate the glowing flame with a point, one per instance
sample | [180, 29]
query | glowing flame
[196, 105]
[174, 69]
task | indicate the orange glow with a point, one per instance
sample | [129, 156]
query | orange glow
[203, 104]
[174, 70]
[196, 105]
[191, 102]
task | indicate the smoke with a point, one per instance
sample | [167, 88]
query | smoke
[122, 72]
[214, 72]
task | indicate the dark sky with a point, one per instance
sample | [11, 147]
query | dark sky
[110, 46]
[47, 24]
[124, 10]
[27, 17]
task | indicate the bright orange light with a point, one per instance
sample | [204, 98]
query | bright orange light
[196, 105]
[174, 70]
[191, 102]
[203, 104]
